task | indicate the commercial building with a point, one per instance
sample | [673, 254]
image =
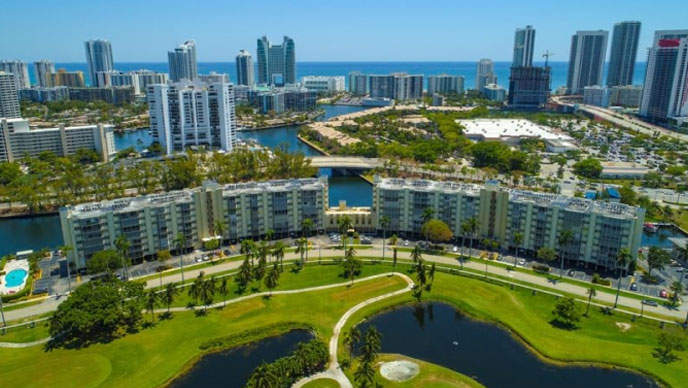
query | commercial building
[362, 218]
[397, 86]
[600, 229]
[39, 94]
[624, 50]
[627, 96]
[484, 74]
[9, 100]
[192, 113]
[43, 71]
[182, 62]
[623, 170]
[116, 95]
[244, 68]
[596, 95]
[524, 44]
[323, 84]
[71, 79]
[529, 87]
[586, 60]
[18, 140]
[358, 83]
[494, 92]
[19, 71]
[99, 58]
[276, 63]
[445, 84]
[152, 223]
[665, 93]
[512, 131]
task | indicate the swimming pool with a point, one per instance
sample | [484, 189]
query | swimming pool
[15, 277]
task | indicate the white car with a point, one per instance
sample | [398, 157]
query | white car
[406, 243]
[679, 269]
[455, 249]
[521, 262]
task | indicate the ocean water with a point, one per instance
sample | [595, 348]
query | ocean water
[466, 69]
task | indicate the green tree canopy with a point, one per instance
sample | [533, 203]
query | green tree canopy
[589, 168]
[437, 230]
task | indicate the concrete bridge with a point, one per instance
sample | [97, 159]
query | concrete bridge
[352, 162]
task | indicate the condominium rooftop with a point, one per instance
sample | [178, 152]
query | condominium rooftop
[504, 129]
[428, 186]
[124, 205]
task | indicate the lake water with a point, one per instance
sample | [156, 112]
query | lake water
[439, 334]
[661, 238]
[232, 368]
[19, 234]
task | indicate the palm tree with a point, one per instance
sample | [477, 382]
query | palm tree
[518, 239]
[263, 377]
[220, 231]
[473, 226]
[676, 288]
[196, 287]
[301, 247]
[351, 264]
[163, 256]
[306, 227]
[384, 223]
[263, 250]
[393, 242]
[431, 273]
[247, 249]
[278, 253]
[465, 231]
[223, 290]
[565, 238]
[591, 294]
[180, 244]
[169, 294]
[122, 244]
[352, 337]
[272, 278]
[427, 215]
[416, 254]
[622, 259]
[207, 293]
[65, 249]
[151, 302]
[345, 224]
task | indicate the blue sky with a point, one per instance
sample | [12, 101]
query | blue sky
[353, 30]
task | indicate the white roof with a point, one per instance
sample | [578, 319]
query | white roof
[506, 128]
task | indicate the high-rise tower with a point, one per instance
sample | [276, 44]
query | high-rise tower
[276, 63]
[524, 42]
[624, 51]
[586, 61]
[182, 62]
[99, 58]
[244, 67]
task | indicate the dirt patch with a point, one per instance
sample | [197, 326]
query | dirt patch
[399, 371]
[623, 326]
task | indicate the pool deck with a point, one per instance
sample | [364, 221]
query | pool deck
[9, 267]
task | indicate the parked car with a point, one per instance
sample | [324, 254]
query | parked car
[455, 249]
[679, 269]
[572, 273]
[663, 293]
[634, 287]
[521, 262]
[406, 243]
[649, 302]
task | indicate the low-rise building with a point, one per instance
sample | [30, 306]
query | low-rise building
[600, 229]
[18, 140]
[323, 84]
[623, 170]
[38, 94]
[627, 96]
[512, 131]
[112, 94]
[152, 223]
[494, 92]
[596, 95]
[362, 219]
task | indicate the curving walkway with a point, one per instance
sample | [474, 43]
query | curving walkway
[17, 345]
[334, 371]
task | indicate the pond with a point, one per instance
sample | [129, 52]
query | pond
[439, 334]
[232, 368]
[661, 237]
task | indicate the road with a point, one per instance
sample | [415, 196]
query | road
[51, 303]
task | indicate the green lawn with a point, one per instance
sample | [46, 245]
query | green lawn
[153, 356]
[598, 340]
[429, 376]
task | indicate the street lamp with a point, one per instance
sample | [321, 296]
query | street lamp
[2, 312]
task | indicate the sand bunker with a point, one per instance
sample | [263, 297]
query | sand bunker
[623, 326]
[399, 371]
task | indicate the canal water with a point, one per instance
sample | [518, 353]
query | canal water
[441, 335]
[232, 368]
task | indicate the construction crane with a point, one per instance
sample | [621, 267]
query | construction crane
[546, 55]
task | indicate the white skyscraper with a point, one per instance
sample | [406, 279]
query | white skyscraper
[665, 93]
[192, 113]
[99, 58]
[244, 67]
[524, 43]
[43, 71]
[20, 73]
[586, 60]
[484, 74]
[182, 62]
[9, 101]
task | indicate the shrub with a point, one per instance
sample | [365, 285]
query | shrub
[597, 279]
[541, 268]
